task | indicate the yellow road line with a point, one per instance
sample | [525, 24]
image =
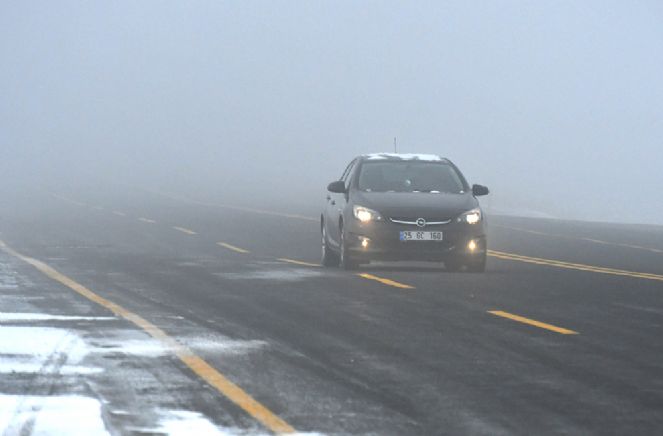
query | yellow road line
[298, 262]
[596, 241]
[532, 322]
[232, 247]
[147, 220]
[576, 266]
[199, 366]
[385, 281]
[118, 213]
[185, 230]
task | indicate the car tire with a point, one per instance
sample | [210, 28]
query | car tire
[329, 258]
[346, 261]
[477, 265]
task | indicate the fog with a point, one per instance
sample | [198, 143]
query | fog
[556, 106]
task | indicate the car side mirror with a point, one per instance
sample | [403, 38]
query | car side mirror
[337, 187]
[478, 190]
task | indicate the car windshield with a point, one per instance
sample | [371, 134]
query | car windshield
[409, 176]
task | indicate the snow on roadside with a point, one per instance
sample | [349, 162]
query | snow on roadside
[38, 343]
[35, 368]
[26, 317]
[44, 352]
[55, 352]
[135, 343]
[7, 277]
[185, 423]
[28, 350]
[51, 415]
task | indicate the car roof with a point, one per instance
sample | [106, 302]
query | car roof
[404, 156]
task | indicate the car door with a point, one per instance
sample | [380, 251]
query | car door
[335, 205]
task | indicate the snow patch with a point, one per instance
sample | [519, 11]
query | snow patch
[21, 367]
[22, 298]
[185, 423]
[35, 350]
[41, 416]
[39, 343]
[7, 277]
[226, 346]
[405, 156]
[13, 317]
[286, 275]
[154, 348]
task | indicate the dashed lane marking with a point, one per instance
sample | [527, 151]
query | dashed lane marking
[532, 322]
[576, 266]
[147, 220]
[68, 200]
[493, 253]
[118, 213]
[298, 262]
[185, 230]
[228, 206]
[384, 281]
[199, 366]
[232, 247]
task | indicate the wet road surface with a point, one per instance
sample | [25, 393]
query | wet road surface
[155, 313]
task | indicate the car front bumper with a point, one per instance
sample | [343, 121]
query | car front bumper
[381, 241]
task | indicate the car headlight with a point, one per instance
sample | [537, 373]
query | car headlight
[471, 216]
[365, 214]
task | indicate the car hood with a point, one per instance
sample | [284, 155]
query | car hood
[416, 204]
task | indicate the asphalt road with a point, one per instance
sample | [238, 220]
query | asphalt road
[561, 335]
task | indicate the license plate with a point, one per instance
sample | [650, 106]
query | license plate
[420, 236]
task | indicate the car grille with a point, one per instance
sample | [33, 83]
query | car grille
[432, 221]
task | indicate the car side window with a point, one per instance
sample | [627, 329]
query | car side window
[350, 175]
[347, 171]
[347, 175]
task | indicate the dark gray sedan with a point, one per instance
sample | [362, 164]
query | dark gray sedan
[403, 207]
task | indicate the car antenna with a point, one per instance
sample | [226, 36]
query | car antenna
[395, 150]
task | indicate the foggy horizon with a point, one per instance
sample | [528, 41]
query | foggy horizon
[557, 108]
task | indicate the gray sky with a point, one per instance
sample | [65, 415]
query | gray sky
[556, 106]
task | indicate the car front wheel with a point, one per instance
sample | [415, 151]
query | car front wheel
[346, 261]
[329, 258]
[474, 265]
[477, 265]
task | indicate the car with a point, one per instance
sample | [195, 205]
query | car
[397, 207]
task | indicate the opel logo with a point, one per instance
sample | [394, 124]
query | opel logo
[421, 222]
